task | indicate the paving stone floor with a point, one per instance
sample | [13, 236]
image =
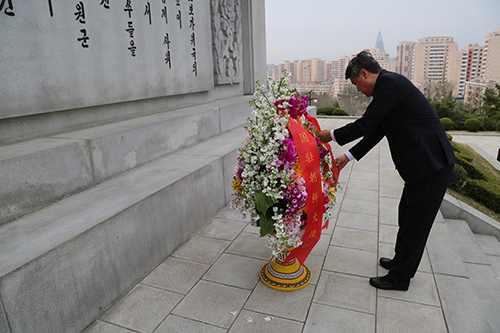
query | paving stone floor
[211, 283]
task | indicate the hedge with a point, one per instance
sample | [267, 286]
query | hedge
[472, 125]
[459, 178]
[472, 171]
[483, 192]
[447, 123]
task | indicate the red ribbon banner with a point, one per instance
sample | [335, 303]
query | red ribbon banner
[309, 161]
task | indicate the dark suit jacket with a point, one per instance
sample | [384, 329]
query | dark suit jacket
[418, 143]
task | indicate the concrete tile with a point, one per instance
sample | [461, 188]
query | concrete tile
[252, 229]
[487, 287]
[355, 239]
[390, 191]
[142, 309]
[400, 316]
[321, 247]
[388, 216]
[286, 304]
[443, 255]
[388, 233]
[365, 174]
[212, 303]
[346, 291]
[202, 249]
[363, 167]
[327, 319]
[360, 206]
[102, 327]
[358, 221]
[358, 194]
[489, 244]
[223, 229]
[236, 271]
[465, 242]
[422, 290]
[390, 172]
[315, 265]
[425, 263]
[495, 263]
[363, 184]
[177, 275]
[387, 250]
[351, 261]
[386, 162]
[389, 203]
[461, 305]
[228, 213]
[176, 324]
[251, 245]
[259, 324]
[388, 181]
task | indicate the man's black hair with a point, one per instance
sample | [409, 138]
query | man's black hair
[363, 60]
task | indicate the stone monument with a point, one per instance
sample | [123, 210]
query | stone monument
[119, 125]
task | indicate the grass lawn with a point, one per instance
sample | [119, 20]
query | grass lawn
[493, 175]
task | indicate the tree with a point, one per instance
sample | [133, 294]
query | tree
[352, 101]
[444, 108]
[491, 105]
[437, 90]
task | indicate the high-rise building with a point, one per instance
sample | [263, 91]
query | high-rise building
[275, 71]
[382, 58]
[463, 66]
[490, 69]
[429, 62]
[312, 71]
[404, 59]
[379, 44]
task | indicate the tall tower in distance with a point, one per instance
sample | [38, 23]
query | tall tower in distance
[379, 44]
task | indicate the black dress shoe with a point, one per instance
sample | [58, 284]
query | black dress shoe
[387, 263]
[382, 282]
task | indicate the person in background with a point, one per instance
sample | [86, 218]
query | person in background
[420, 150]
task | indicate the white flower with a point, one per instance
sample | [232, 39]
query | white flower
[249, 319]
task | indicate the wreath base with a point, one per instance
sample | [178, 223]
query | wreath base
[288, 276]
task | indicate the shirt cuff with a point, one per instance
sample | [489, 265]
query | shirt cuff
[349, 155]
[332, 135]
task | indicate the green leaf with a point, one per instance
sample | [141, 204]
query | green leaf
[263, 204]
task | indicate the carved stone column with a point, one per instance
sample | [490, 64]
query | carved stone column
[227, 41]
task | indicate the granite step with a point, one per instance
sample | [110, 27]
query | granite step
[483, 277]
[62, 266]
[39, 172]
[462, 307]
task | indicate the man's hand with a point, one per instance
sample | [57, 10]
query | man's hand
[325, 136]
[342, 161]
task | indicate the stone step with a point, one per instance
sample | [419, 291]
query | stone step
[491, 247]
[479, 270]
[40, 172]
[461, 305]
[62, 266]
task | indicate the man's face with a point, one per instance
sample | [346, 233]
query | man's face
[365, 82]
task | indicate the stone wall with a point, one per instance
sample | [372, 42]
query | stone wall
[72, 64]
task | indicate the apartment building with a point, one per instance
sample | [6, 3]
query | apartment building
[275, 71]
[464, 66]
[312, 71]
[490, 69]
[430, 55]
[404, 59]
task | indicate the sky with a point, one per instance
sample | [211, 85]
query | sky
[328, 29]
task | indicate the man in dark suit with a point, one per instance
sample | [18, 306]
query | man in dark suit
[420, 150]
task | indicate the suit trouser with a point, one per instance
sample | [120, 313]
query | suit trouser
[418, 208]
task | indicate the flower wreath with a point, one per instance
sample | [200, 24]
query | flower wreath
[270, 184]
